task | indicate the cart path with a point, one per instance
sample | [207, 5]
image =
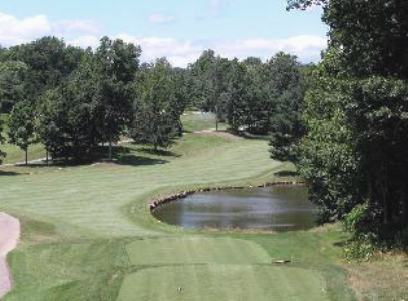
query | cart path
[9, 237]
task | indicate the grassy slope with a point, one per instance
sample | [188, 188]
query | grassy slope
[88, 235]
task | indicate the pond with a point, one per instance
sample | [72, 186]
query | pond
[277, 208]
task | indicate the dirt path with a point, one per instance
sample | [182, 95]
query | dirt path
[9, 236]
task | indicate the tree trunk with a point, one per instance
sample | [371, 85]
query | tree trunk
[110, 148]
[404, 196]
[26, 156]
[216, 118]
[46, 157]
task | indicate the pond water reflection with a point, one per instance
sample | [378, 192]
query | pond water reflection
[277, 208]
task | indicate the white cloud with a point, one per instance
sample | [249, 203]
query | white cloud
[160, 18]
[76, 26]
[215, 7]
[306, 47]
[182, 52]
[85, 41]
[179, 53]
[84, 33]
[15, 31]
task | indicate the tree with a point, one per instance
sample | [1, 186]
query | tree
[2, 154]
[286, 90]
[367, 68]
[69, 121]
[117, 63]
[237, 96]
[49, 61]
[210, 79]
[21, 126]
[12, 83]
[260, 105]
[157, 107]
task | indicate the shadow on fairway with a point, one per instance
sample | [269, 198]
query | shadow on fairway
[8, 173]
[138, 161]
[159, 152]
[287, 173]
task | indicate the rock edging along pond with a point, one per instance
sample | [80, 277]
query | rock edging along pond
[182, 195]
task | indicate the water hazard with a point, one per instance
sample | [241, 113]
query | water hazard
[278, 208]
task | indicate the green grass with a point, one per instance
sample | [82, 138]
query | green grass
[195, 250]
[88, 233]
[197, 121]
[224, 282]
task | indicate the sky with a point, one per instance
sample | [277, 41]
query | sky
[177, 29]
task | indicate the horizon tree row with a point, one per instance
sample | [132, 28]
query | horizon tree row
[74, 101]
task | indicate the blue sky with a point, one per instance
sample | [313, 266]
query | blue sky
[178, 29]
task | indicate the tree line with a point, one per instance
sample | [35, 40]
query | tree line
[75, 101]
[354, 149]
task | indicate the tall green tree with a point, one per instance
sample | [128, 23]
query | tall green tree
[238, 105]
[286, 89]
[157, 108]
[367, 67]
[260, 104]
[12, 83]
[22, 125]
[49, 61]
[2, 154]
[210, 80]
[117, 63]
[69, 121]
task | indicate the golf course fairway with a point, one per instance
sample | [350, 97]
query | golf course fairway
[87, 232]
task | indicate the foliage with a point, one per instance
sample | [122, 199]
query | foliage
[49, 61]
[117, 63]
[2, 153]
[69, 121]
[12, 83]
[158, 105]
[356, 148]
[209, 75]
[287, 88]
[21, 124]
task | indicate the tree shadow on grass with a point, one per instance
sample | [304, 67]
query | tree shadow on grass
[8, 173]
[248, 136]
[123, 155]
[159, 152]
[134, 160]
[287, 173]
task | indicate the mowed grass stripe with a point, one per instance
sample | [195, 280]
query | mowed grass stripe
[93, 197]
[224, 282]
[195, 250]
